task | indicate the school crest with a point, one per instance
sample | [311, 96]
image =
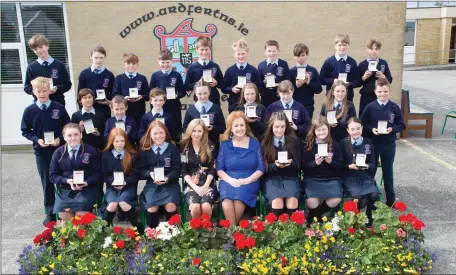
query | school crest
[173, 81]
[211, 118]
[367, 149]
[105, 83]
[214, 71]
[138, 85]
[382, 68]
[248, 76]
[54, 73]
[347, 68]
[55, 114]
[85, 158]
[391, 119]
[127, 129]
[182, 43]
[344, 118]
[280, 71]
[295, 114]
[167, 162]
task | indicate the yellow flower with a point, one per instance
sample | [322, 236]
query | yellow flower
[63, 230]
[387, 269]
[53, 234]
[245, 267]
[59, 257]
[44, 269]
[143, 250]
[138, 238]
[307, 246]
[324, 240]
[326, 246]
[333, 239]
[316, 249]
[273, 256]
[328, 226]
[222, 269]
[324, 219]
[264, 270]
[403, 264]
[255, 270]
[74, 227]
[52, 266]
[315, 219]
[339, 213]
[255, 255]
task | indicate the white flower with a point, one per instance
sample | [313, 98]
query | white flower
[166, 231]
[335, 224]
[107, 242]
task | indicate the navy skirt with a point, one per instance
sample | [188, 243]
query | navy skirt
[127, 194]
[157, 195]
[358, 186]
[323, 188]
[71, 200]
[281, 187]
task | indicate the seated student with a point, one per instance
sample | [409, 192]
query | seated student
[120, 156]
[321, 173]
[300, 119]
[158, 98]
[336, 100]
[119, 107]
[389, 112]
[359, 181]
[205, 107]
[251, 97]
[239, 166]
[157, 151]
[132, 79]
[281, 184]
[86, 113]
[75, 198]
[198, 169]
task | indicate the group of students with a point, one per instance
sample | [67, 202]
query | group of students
[249, 144]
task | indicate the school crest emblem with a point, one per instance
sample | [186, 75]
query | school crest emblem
[138, 85]
[106, 83]
[55, 114]
[347, 68]
[214, 71]
[167, 162]
[127, 129]
[382, 68]
[85, 158]
[391, 119]
[279, 71]
[295, 114]
[367, 149]
[248, 76]
[54, 73]
[211, 118]
[182, 43]
[173, 81]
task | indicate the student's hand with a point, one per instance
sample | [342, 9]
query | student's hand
[56, 142]
[389, 130]
[366, 75]
[329, 158]
[119, 187]
[69, 181]
[42, 144]
[210, 127]
[308, 78]
[293, 126]
[213, 83]
[318, 159]
[53, 90]
[152, 176]
[252, 120]
[364, 168]
[135, 99]
[236, 90]
[333, 125]
[375, 131]
[380, 74]
[300, 82]
[198, 190]
[95, 132]
[353, 167]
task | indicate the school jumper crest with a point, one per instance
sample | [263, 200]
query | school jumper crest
[182, 43]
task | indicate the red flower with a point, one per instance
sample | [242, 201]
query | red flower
[372, 229]
[225, 223]
[47, 233]
[298, 217]
[244, 224]
[76, 220]
[51, 224]
[120, 244]
[351, 230]
[206, 224]
[418, 225]
[196, 261]
[283, 217]
[37, 239]
[240, 244]
[256, 218]
[205, 217]
[195, 223]
[238, 236]
[284, 260]
[130, 233]
[350, 206]
[400, 206]
[174, 220]
[88, 218]
[250, 242]
[271, 218]
[117, 230]
[257, 226]
[82, 233]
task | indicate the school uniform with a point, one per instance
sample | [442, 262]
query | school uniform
[168, 157]
[340, 130]
[259, 126]
[279, 68]
[216, 119]
[99, 122]
[36, 120]
[123, 83]
[195, 73]
[50, 68]
[111, 162]
[170, 78]
[322, 181]
[192, 165]
[367, 90]
[170, 123]
[335, 65]
[231, 79]
[64, 161]
[384, 144]
[97, 79]
[130, 128]
[305, 94]
[283, 182]
[300, 117]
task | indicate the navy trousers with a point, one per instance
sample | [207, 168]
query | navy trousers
[386, 151]
[43, 160]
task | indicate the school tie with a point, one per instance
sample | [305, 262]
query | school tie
[338, 106]
[280, 148]
[241, 67]
[130, 76]
[96, 71]
[120, 120]
[73, 157]
[158, 152]
[287, 106]
[119, 156]
[45, 63]
[157, 115]
[203, 109]
[43, 107]
[355, 144]
[204, 64]
[341, 60]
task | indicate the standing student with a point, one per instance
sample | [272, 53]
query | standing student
[132, 79]
[198, 169]
[336, 100]
[119, 107]
[157, 151]
[272, 66]
[240, 69]
[251, 97]
[340, 63]
[170, 81]
[157, 98]
[48, 67]
[86, 113]
[358, 181]
[387, 111]
[281, 179]
[305, 88]
[300, 119]
[120, 156]
[38, 119]
[195, 70]
[322, 184]
[369, 76]
[97, 77]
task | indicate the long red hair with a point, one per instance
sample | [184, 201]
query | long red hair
[146, 141]
[130, 152]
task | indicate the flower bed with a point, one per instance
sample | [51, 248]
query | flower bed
[271, 245]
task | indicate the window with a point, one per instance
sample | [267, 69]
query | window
[410, 33]
[10, 28]
[11, 70]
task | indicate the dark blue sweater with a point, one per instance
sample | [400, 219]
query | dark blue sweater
[59, 74]
[169, 159]
[300, 116]
[305, 94]
[123, 83]
[375, 112]
[331, 69]
[368, 86]
[98, 120]
[349, 157]
[230, 80]
[173, 127]
[259, 126]
[281, 72]
[110, 164]
[36, 121]
[340, 131]
[195, 73]
[130, 127]
[324, 170]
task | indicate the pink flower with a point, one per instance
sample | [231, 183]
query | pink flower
[383, 227]
[309, 233]
[401, 233]
[151, 233]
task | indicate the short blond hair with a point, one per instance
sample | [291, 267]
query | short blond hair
[373, 42]
[37, 41]
[41, 83]
[342, 38]
[240, 44]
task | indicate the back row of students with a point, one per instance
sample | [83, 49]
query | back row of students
[305, 79]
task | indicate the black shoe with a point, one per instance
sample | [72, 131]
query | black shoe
[120, 216]
[390, 203]
[49, 218]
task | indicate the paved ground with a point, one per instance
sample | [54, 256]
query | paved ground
[425, 173]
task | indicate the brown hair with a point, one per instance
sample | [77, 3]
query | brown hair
[41, 82]
[200, 83]
[373, 42]
[130, 152]
[271, 43]
[205, 152]
[229, 124]
[249, 85]
[203, 41]
[83, 92]
[382, 82]
[342, 38]
[330, 98]
[37, 41]
[300, 48]
[130, 58]
[119, 99]
[285, 86]
[157, 92]
[310, 138]
[67, 126]
[146, 141]
[240, 44]
[98, 49]
[165, 55]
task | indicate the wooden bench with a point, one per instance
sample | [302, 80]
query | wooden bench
[411, 112]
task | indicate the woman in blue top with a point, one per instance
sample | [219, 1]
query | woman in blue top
[239, 166]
